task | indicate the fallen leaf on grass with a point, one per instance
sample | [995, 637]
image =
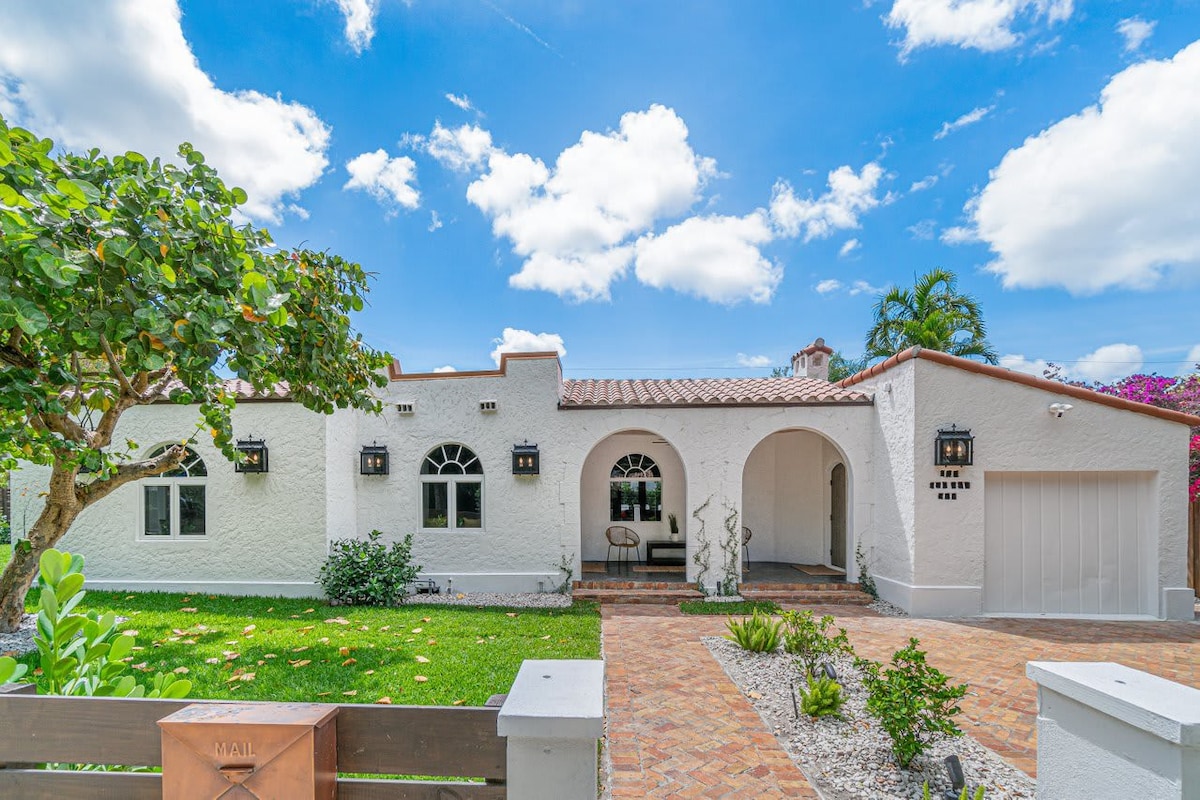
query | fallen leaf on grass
[420, 678]
[324, 694]
[299, 649]
[426, 619]
[308, 610]
[270, 655]
[432, 641]
[386, 628]
[351, 693]
[422, 660]
[188, 610]
[249, 629]
[383, 701]
[337, 621]
[181, 670]
[364, 628]
[212, 661]
[417, 630]
[186, 600]
[305, 629]
[304, 662]
[510, 614]
[343, 651]
[349, 661]
[324, 640]
[269, 610]
[458, 702]
[546, 637]
[369, 672]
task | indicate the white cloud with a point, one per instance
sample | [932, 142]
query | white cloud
[435, 221]
[923, 230]
[1135, 31]
[573, 224]
[1108, 363]
[462, 149]
[63, 77]
[862, 287]
[446, 368]
[388, 180]
[981, 24]
[360, 22]
[849, 247]
[1107, 197]
[928, 182]
[462, 101]
[754, 362]
[829, 285]
[716, 258]
[969, 118]
[1189, 364]
[1019, 363]
[959, 234]
[515, 340]
[849, 195]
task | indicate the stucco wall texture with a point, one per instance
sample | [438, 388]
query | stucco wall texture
[768, 464]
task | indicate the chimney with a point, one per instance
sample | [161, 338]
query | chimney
[812, 361]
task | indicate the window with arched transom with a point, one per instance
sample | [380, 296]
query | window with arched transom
[174, 504]
[635, 490]
[451, 489]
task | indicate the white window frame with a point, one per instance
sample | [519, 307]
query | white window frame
[633, 476]
[173, 484]
[451, 480]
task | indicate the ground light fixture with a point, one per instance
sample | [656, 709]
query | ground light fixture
[254, 452]
[373, 460]
[954, 448]
[525, 459]
[958, 781]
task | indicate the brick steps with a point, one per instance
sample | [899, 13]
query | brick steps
[672, 592]
[810, 597]
[642, 596]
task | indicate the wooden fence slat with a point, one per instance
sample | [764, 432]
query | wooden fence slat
[40, 784]
[430, 740]
[357, 789]
[396, 740]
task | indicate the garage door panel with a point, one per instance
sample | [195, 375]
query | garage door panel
[1069, 543]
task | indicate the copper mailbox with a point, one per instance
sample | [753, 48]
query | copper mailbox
[235, 751]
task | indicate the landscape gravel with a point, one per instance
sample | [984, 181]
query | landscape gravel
[886, 609]
[510, 600]
[851, 758]
[20, 641]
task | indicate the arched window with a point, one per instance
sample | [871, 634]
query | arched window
[173, 504]
[451, 488]
[635, 490]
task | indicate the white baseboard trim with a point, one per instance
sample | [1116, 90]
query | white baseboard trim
[931, 601]
[238, 588]
[506, 582]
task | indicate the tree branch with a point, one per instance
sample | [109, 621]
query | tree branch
[161, 379]
[127, 473]
[115, 366]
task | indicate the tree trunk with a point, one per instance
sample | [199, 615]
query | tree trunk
[62, 507]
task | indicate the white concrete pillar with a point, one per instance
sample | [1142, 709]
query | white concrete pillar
[553, 718]
[1108, 731]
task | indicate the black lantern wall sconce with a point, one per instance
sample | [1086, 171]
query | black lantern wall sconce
[254, 452]
[373, 460]
[525, 459]
[954, 448]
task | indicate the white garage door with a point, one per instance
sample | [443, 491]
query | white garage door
[1070, 543]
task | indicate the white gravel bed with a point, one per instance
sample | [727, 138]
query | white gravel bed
[514, 600]
[886, 609]
[852, 758]
[20, 642]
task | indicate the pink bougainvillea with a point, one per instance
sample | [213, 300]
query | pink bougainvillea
[1177, 394]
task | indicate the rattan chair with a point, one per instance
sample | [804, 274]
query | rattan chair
[746, 534]
[622, 538]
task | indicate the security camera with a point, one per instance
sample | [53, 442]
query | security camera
[1059, 410]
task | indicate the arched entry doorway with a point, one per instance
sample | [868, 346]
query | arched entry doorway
[795, 498]
[633, 479]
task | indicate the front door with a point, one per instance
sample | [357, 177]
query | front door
[837, 517]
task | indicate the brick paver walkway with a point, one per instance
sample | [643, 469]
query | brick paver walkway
[677, 727]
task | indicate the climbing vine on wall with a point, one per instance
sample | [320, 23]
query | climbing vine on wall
[703, 547]
[731, 547]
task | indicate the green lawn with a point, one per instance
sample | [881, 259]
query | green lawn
[5, 554]
[743, 607]
[302, 650]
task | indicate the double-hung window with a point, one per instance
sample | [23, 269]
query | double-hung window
[635, 490]
[451, 489]
[173, 504]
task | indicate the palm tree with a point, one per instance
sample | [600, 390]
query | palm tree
[931, 314]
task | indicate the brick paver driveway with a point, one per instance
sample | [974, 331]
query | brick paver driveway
[678, 728]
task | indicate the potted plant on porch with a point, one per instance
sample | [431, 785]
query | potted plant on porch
[674, 523]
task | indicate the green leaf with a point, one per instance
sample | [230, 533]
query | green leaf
[6, 153]
[68, 586]
[10, 670]
[167, 272]
[239, 195]
[122, 646]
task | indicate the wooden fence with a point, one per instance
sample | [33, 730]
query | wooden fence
[371, 740]
[1194, 545]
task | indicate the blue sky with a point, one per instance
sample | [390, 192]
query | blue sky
[676, 189]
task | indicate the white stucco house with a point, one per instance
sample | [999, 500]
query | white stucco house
[1071, 503]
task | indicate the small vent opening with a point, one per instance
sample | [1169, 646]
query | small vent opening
[406, 408]
[487, 406]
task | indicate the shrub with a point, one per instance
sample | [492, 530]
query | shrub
[822, 698]
[757, 633]
[367, 573]
[5, 532]
[83, 654]
[913, 701]
[808, 639]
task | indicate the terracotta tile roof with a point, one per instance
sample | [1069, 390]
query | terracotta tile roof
[244, 391]
[1003, 374]
[597, 393]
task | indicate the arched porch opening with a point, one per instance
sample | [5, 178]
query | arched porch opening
[796, 500]
[635, 479]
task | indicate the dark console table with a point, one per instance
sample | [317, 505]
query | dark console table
[674, 557]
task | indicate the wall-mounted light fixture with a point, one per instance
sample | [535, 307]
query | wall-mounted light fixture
[525, 459]
[373, 460]
[254, 452]
[1060, 410]
[954, 448]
